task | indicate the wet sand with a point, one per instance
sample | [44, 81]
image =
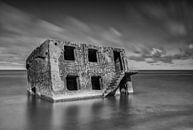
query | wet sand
[160, 102]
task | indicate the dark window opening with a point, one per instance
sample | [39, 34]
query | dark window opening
[96, 82]
[69, 53]
[27, 66]
[72, 82]
[117, 60]
[33, 90]
[92, 55]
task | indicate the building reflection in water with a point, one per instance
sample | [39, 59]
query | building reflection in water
[83, 114]
[38, 113]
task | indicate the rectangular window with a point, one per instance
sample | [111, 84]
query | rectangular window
[96, 82]
[92, 55]
[69, 53]
[72, 82]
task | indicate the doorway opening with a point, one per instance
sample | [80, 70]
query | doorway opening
[96, 82]
[72, 82]
[117, 60]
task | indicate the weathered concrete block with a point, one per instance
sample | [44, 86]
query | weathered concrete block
[59, 71]
[129, 86]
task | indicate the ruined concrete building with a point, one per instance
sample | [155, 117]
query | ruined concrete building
[60, 71]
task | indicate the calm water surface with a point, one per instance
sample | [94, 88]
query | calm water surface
[160, 102]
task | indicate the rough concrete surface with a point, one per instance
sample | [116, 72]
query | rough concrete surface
[54, 62]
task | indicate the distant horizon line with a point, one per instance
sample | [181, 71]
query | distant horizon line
[135, 69]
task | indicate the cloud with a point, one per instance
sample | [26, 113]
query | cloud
[152, 56]
[156, 52]
[158, 55]
[165, 23]
[177, 29]
[185, 53]
[116, 32]
[165, 27]
[109, 36]
[21, 32]
[150, 32]
[76, 24]
[149, 60]
[190, 46]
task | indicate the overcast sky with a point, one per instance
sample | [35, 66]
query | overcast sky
[156, 34]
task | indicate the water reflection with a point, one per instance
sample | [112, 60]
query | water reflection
[38, 113]
[77, 114]
[158, 103]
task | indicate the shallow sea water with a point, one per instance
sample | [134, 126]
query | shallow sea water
[162, 101]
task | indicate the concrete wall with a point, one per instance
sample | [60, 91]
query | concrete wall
[38, 71]
[47, 69]
[81, 67]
